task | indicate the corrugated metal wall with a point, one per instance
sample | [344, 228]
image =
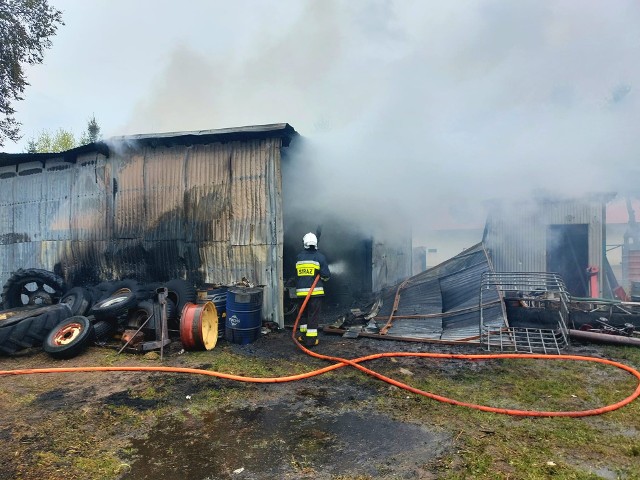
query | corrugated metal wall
[391, 261]
[451, 288]
[517, 239]
[208, 213]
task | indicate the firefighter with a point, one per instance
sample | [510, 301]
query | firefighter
[309, 263]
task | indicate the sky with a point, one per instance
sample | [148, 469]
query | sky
[420, 109]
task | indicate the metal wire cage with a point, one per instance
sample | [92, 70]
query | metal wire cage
[541, 300]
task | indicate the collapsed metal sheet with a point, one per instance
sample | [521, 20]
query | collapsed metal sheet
[442, 303]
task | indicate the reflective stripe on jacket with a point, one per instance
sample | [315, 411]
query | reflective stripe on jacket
[309, 263]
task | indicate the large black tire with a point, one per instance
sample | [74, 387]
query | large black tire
[79, 300]
[172, 315]
[106, 289]
[114, 306]
[140, 314]
[181, 292]
[32, 286]
[103, 330]
[69, 338]
[25, 332]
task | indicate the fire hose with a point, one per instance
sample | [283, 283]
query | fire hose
[356, 363]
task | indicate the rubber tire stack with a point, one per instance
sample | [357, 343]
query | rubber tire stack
[30, 328]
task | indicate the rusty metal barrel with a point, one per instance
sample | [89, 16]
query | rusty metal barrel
[199, 326]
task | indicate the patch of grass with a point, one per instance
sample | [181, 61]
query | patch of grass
[627, 355]
[225, 361]
[490, 446]
[150, 393]
[112, 358]
[212, 399]
[301, 465]
[66, 445]
[25, 399]
[352, 477]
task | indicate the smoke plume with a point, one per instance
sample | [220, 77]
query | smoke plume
[407, 109]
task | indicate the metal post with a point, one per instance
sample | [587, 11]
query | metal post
[162, 300]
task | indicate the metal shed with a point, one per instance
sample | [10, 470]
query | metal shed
[551, 235]
[202, 205]
[206, 206]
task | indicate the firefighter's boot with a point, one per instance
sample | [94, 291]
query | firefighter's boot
[311, 337]
[303, 332]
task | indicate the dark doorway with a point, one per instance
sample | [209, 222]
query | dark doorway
[568, 255]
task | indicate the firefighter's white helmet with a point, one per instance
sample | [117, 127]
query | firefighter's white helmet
[309, 240]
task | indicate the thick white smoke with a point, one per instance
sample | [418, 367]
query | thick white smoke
[429, 109]
[408, 108]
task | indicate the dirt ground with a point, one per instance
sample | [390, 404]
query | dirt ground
[321, 427]
[139, 425]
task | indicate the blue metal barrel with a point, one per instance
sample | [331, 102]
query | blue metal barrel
[244, 314]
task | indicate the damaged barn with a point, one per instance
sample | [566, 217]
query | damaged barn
[203, 206]
[209, 207]
[539, 276]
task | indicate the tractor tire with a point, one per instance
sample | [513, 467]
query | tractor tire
[69, 338]
[32, 286]
[181, 292]
[114, 305]
[103, 330]
[172, 315]
[137, 316]
[78, 299]
[22, 332]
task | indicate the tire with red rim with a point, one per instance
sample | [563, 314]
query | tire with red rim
[69, 338]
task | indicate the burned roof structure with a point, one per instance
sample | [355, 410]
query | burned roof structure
[440, 304]
[548, 261]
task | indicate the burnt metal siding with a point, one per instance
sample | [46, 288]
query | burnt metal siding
[391, 261]
[447, 288]
[517, 241]
[208, 213]
[630, 266]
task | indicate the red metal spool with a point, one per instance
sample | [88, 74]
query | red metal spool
[199, 326]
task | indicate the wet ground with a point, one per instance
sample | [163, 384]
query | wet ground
[325, 427]
[342, 425]
[284, 440]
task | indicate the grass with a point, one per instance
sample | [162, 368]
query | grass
[494, 446]
[92, 441]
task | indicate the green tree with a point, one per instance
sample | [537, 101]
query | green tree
[26, 28]
[46, 142]
[92, 134]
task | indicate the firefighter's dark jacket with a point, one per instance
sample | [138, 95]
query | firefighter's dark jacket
[309, 263]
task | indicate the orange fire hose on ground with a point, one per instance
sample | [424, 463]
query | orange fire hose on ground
[343, 362]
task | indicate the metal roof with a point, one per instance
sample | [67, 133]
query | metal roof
[197, 137]
[442, 303]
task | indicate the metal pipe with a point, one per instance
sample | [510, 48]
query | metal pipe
[604, 338]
